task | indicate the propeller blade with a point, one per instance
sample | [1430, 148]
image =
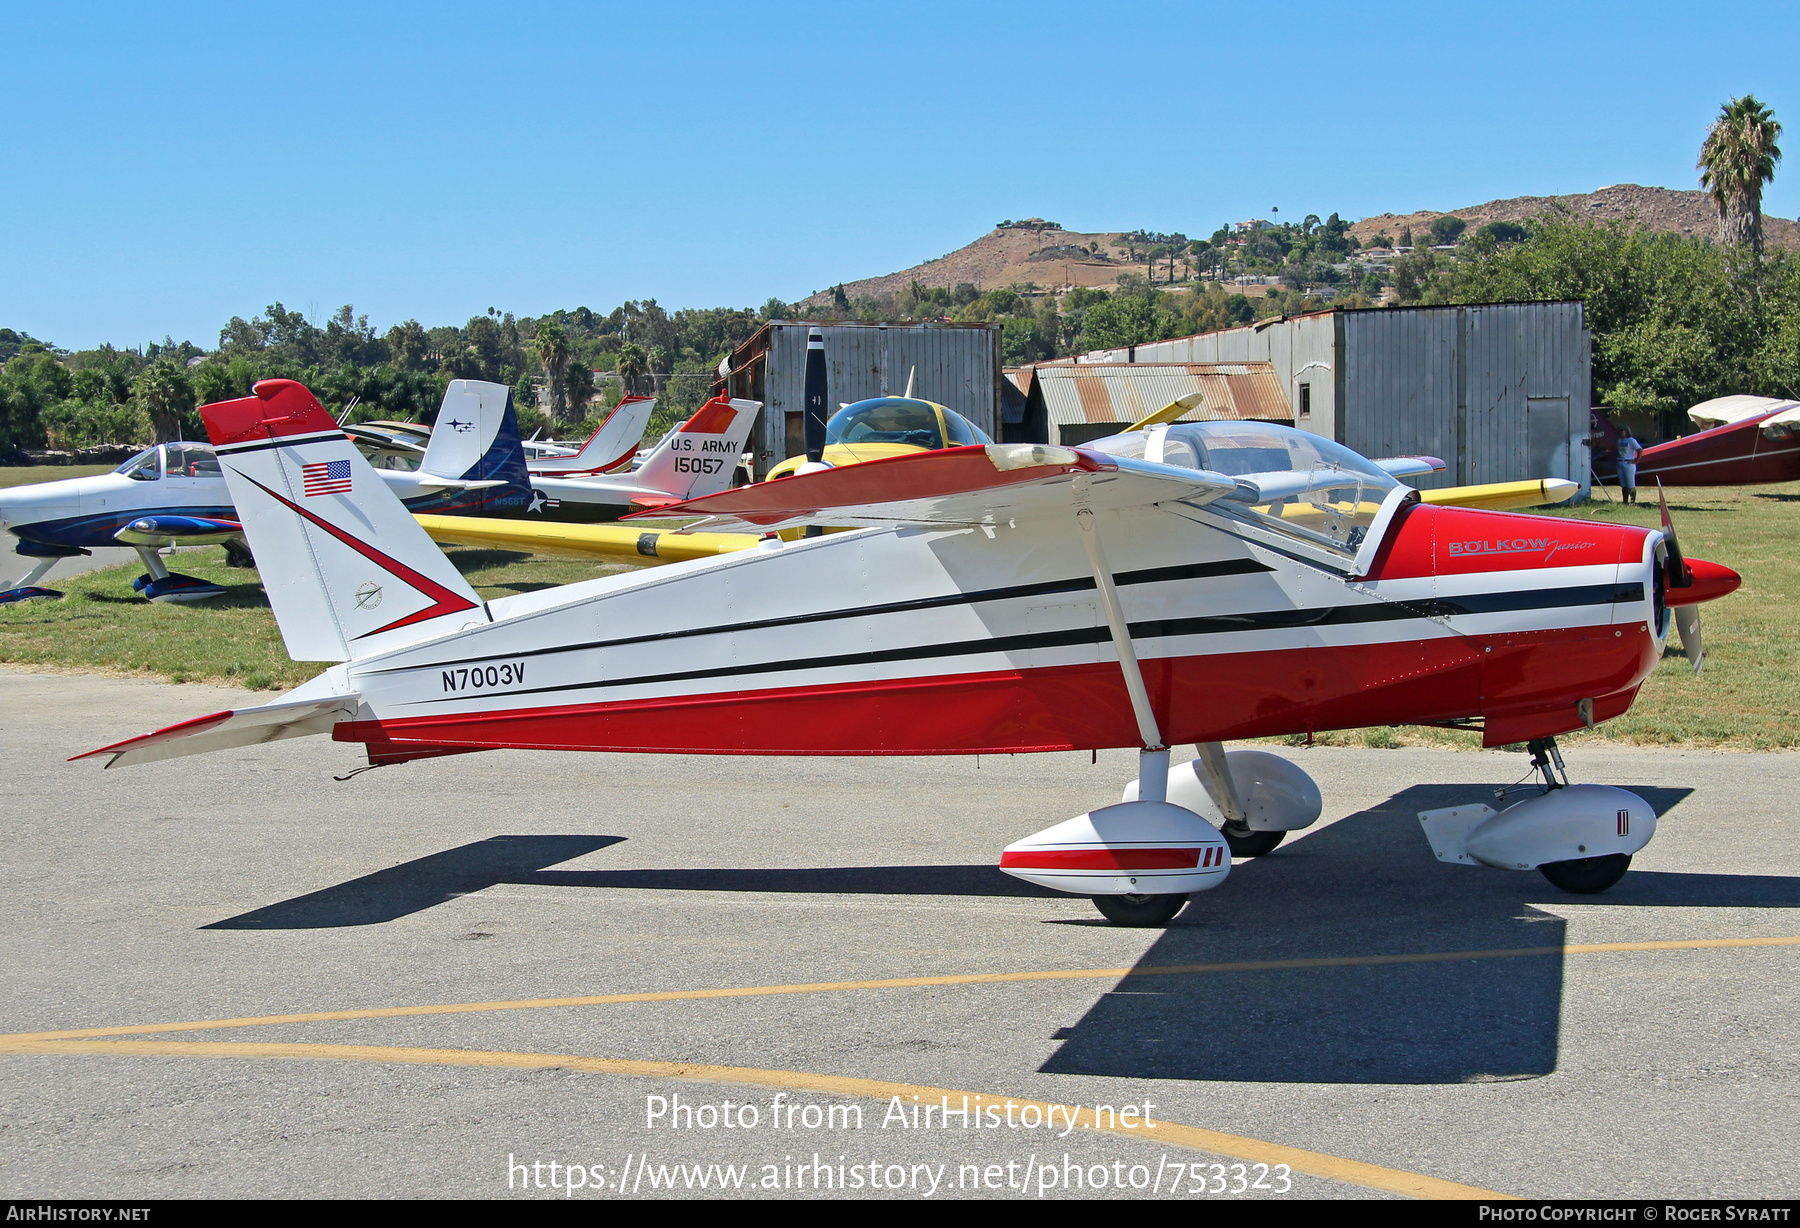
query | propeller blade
[815, 396]
[1679, 575]
[1687, 626]
[1687, 617]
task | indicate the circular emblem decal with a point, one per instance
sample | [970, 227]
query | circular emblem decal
[368, 596]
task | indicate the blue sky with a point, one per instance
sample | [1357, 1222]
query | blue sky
[168, 166]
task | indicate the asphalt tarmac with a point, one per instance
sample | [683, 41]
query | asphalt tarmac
[1378, 1022]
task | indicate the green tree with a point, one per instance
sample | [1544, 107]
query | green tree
[409, 347]
[1736, 159]
[166, 396]
[1123, 320]
[1446, 230]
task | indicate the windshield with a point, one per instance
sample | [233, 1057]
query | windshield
[886, 420]
[146, 466]
[191, 460]
[961, 430]
[1289, 480]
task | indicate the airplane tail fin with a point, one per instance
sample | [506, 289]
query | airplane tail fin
[699, 457]
[608, 448]
[476, 439]
[348, 571]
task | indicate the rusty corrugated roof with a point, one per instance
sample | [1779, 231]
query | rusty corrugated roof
[1126, 392]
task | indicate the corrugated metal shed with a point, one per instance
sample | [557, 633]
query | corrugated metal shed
[1500, 391]
[1078, 395]
[957, 365]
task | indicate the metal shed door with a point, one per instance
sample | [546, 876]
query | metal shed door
[1547, 437]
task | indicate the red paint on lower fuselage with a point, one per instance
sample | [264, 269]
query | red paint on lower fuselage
[1536, 677]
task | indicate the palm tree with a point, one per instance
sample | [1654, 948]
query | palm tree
[552, 346]
[632, 364]
[1739, 156]
[165, 394]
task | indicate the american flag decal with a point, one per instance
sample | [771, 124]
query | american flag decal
[325, 478]
[1624, 822]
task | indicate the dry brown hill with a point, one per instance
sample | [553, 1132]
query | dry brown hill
[1051, 257]
[1688, 213]
[1003, 257]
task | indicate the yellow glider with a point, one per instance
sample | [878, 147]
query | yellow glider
[612, 542]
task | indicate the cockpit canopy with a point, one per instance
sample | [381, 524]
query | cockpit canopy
[179, 460]
[901, 420]
[1288, 480]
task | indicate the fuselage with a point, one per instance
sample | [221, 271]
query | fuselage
[87, 513]
[1736, 454]
[990, 640]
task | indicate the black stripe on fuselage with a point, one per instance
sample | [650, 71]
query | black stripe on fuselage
[238, 449]
[1212, 624]
[1154, 575]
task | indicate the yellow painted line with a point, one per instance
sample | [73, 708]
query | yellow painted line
[1254, 1151]
[909, 982]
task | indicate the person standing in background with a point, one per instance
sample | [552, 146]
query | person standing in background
[1629, 449]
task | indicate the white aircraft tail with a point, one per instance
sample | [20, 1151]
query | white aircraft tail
[347, 569]
[608, 448]
[469, 420]
[699, 457]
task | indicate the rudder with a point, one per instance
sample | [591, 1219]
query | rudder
[348, 571]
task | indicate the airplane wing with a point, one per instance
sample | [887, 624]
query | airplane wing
[1504, 496]
[613, 543]
[973, 485]
[1781, 425]
[1411, 466]
[159, 531]
[237, 727]
[431, 481]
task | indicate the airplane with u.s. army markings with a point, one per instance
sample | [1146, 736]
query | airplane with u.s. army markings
[1191, 582]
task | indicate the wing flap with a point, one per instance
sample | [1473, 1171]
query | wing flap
[974, 485]
[236, 727]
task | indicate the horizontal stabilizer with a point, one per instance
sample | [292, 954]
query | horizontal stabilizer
[978, 484]
[237, 727]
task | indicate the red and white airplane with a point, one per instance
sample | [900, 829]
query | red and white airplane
[1189, 583]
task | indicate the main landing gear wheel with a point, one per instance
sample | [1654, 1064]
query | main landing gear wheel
[1587, 875]
[1244, 842]
[1141, 911]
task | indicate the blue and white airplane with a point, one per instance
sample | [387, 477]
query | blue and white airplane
[174, 493]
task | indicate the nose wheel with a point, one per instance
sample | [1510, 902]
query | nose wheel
[1245, 842]
[1140, 911]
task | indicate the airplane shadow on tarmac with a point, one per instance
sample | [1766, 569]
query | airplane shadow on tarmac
[1368, 885]
[399, 891]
